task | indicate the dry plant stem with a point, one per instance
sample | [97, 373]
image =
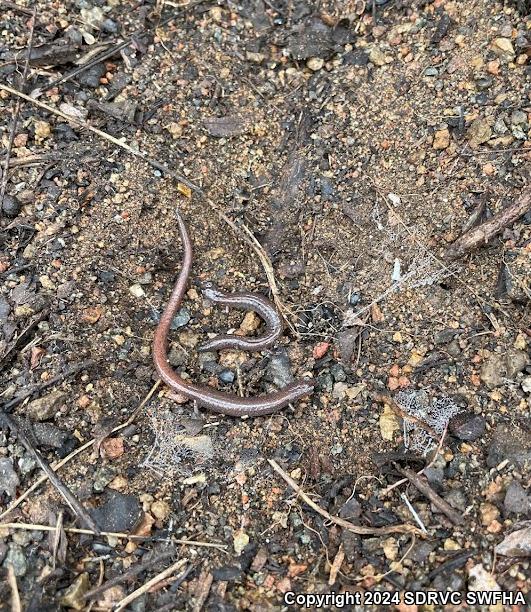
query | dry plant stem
[404, 480]
[74, 453]
[130, 573]
[360, 530]
[57, 539]
[114, 534]
[30, 160]
[82, 365]
[17, 111]
[486, 231]
[16, 606]
[16, 7]
[435, 499]
[101, 134]
[203, 589]
[45, 467]
[110, 52]
[145, 587]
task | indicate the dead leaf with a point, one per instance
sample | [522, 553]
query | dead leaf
[36, 354]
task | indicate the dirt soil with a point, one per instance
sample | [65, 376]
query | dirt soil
[356, 141]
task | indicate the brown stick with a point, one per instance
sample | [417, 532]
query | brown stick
[17, 111]
[83, 365]
[486, 231]
[130, 573]
[336, 519]
[76, 452]
[435, 499]
[45, 467]
[145, 587]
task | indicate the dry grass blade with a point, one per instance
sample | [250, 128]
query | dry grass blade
[65, 492]
[115, 534]
[359, 529]
[16, 606]
[77, 451]
[17, 111]
[145, 587]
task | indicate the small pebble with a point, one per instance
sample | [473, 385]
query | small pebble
[11, 206]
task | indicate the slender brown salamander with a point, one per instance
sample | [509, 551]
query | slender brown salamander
[217, 401]
[260, 305]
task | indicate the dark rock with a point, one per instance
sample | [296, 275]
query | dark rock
[64, 132]
[49, 435]
[226, 376]
[181, 319]
[227, 572]
[338, 373]
[278, 369]
[11, 206]
[355, 298]
[421, 551]
[92, 76]
[509, 442]
[350, 509]
[441, 29]
[8, 477]
[456, 498]
[445, 336]
[434, 474]
[119, 512]
[5, 309]
[346, 339]
[448, 581]
[516, 499]
[467, 426]
[110, 26]
[357, 57]
[106, 276]
[351, 544]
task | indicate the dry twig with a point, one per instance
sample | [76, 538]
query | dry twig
[65, 492]
[404, 480]
[114, 534]
[15, 596]
[336, 519]
[427, 491]
[481, 234]
[145, 587]
[130, 573]
[17, 110]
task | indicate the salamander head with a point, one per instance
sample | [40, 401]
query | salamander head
[211, 293]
